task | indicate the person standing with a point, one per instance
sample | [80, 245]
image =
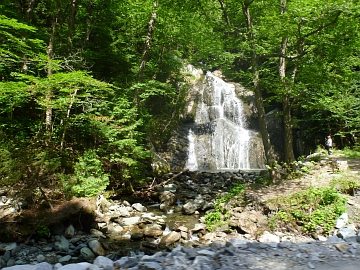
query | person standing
[328, 144]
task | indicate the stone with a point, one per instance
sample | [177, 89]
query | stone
[69, 231]
[7, 246]
[123, 212]
[342, 221]
[87, 254]
[346, 233]
[189, 208]
[168, 198]
[198, 227]
[136, 234]
[153, 232]
[269, 237]
[139, 207]
[40, 258]
[103, 262]
[169, 239]
[130, 221]
[97, 233]
[62, 244]
[96, 247]
[66, 258]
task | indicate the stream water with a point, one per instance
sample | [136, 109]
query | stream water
[219, 138]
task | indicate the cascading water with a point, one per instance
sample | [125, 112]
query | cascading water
[219, 139]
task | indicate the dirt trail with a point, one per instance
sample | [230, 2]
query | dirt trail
[321, 175]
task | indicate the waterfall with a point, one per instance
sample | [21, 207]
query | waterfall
[219, 139]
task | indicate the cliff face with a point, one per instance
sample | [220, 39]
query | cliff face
[204, 103]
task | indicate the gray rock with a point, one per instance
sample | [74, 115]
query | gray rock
[43, 266]
[7, 246]
[96, 247]
[69, 231]
[62, 244]
[139, 207]
[40, 258]
[189, 208]
[168, 198]
[20, 267]
[87, 254]
[269, 237]
[66, 258]
[169, 239]
[103, 262]
[123, 212]
[129, 221]
[346, 233]
[79, 266]
[342, 221]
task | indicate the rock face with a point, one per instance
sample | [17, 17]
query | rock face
[200, 92]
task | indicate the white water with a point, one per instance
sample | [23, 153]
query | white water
[219, 139]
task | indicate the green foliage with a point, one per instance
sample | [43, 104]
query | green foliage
[218, 216]
[312, 208]
[213, 220]
[352, 152]
[90, 178]
[346, 183]
[42, 231]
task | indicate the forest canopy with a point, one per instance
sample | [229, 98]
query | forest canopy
[91, 89]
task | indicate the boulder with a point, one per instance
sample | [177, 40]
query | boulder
[169, 239]
[96, 247]
[139, 207]
[153, 232]
[168, 198]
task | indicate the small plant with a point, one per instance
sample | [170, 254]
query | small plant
[90, 178]
[219, 215]
[42, 231]
[346, 184]
[213, 220]
[312, 208]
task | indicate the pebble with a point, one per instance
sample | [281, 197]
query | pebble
[236, 254]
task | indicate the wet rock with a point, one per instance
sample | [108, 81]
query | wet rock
[104, 263]
[346, 233]
[153, 231]
[342, 221]
[169, 239]
[96, 247]
[168, 198]
[129, 221]
[87, 254]
[7, 246]
[139, 207]
[69, 231]
[136, 234]
[269, 237]
[62, 244]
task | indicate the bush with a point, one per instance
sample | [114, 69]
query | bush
[312, 208]
[90, 178]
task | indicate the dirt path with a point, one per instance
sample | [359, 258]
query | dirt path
[321, 175]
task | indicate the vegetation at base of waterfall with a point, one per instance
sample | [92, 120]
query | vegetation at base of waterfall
[314, 210]
[352, 152]
[218, 216]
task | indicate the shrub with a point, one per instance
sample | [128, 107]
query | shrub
[90, 178]
[312, 208]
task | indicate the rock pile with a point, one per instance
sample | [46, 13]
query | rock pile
[235, 254]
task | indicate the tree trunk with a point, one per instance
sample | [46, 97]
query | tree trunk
[226, 17]
[49, 51]
[145, 53]
[286, 98]
[71, 23]
[269, 150]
